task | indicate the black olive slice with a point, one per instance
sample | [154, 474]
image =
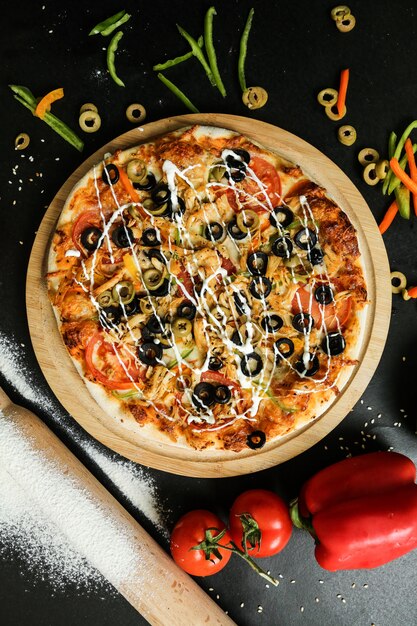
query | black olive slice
[282, 247]
[305, 239]
[222, 394]
[234, 230]
[161, 194]
[215, 364]
[122, 237]
[148, 184]
[281, 216]
[150, 237]
[131, 307]
[237, 338]
[303, 322]
[110, 315]
[324, 294]
[156, 254]
[315, 256]
[243, 154]
[150, 353]
[260, 287]
[110, 174]
[187, 309]
[333, 344]
[256, 439]
[155, 325]
[146, 334]
[237, 173]
[241, 302]
[90, 237]
[283, 348]
[213, 231]
[257, 263]
[271, 322]
[311, 369]
[204, 395]
[251, 364]
[163, 290]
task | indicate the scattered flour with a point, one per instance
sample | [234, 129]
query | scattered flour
[93, 531]
[29, 535]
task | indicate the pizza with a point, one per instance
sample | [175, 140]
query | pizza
[209, 292]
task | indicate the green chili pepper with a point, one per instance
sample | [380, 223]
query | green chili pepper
[111, 52]
[197, 53]
[392, 142]
[110, 24]
[397, 153]
[243, 50]
[184, 355]
[184, 57]
[211, 52]
[180, 94]
[26, 97]
[402, 196]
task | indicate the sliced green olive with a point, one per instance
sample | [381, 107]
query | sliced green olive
[333, 114]
[150, 206]
[220, 313]
[347, 135]
[137, 170]
[381, 169]
[105, 299]
[89, 121]
[369, 174]
[123, 292]
[22, 141]
[346, 24]
[327, 97]
[88, 106]
[153, 278]
[247, 221]
[339, 12]
[368, 155]
[146, 305]
[181, 327]
[217, 173]
[255, 97]
[136, 113]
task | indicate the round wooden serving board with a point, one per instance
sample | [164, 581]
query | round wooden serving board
[68, 386]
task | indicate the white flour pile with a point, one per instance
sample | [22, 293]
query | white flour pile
[25, 532]
[91, 529]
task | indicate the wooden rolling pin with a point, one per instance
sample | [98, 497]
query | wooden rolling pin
[157, 588]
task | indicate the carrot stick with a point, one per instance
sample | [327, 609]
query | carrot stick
[403, 176]
[341, 100]
[388, 217]
[44, 105]
[125, 180]
[413, 168]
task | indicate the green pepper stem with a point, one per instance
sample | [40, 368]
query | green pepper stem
[245, 556]
[299, 521]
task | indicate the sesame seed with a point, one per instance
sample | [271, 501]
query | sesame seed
[321, 582]
[211, 589]
[369, 408]
[365, 425]
[365, 586]
[50, 31]
[57, 159]
[340, 438]
[372, 421]
[242, 604]
[363, 447]
[267, 586]
[292, 581]
[361, 401]
[374, 437]
[280, 576]
[217, 597]
[353, 585]
[339, 595]
[402, 411]
[260, 609]
[21, 243]
[317, 600]
[302, 609]
[325, 447]
[379, 415]
[404, 358]
[344, 601]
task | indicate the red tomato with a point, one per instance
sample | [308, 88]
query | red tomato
[273, 527]
[190, 531]
[228, 265]
[210, 376]
[268, 175]
[111, 365]
[332, 313]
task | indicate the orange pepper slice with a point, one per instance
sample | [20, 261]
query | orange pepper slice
[44, 105]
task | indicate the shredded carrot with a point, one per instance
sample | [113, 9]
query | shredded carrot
[413, 168]
[388, 217]
[127, 184]
[44, 105]
[412, 292]
[341, 99]
[403, 176]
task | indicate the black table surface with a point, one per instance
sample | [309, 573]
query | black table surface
[294, 51]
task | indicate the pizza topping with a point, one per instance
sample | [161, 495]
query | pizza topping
[303, 322]
[271, 322]
[324, 294]
[181, 327]
[281, 216]
[234, 231]
[91, 238]
[214, 232]
[305, 239]
[256, 439]
[204, 395]
[105, 298]
[110, 316]
[123, 292]
[284, 348]
[315, 256]
[282, 247]
[215, 364]
[110, 174]
[147, 183]
[257, 263]
[333, 344]
[223, 394]
[150, 353]
[122, 237]
[251, 364]
[150, 237]
[247, 221]
[309, 369]
[260, 287]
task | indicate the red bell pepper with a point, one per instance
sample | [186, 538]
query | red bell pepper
[362, 511]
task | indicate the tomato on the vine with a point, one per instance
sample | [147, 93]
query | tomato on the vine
[264, 519]
[199, 528]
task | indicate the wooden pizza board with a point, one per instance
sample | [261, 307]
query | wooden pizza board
[68, 386]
